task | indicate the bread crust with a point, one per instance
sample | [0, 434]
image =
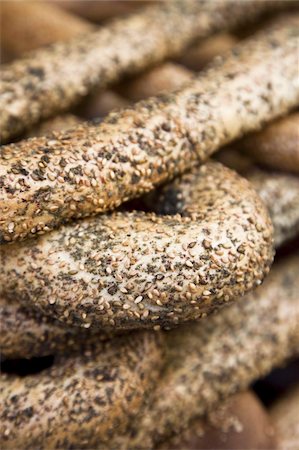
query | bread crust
[209, 361]
[135, 269]
[277, 145]
[124, 46]
[81, 401]
[49, 180]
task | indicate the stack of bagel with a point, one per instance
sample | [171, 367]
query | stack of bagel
[149, 216]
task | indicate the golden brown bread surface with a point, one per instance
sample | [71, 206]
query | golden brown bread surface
[47, 181]
[239, 423]
[277, 145]
[284, 414]
[203, 364]
[26, 334]
[207, 362]
[124, 46]
[99, 10]
[202, 53]
[81, 401]
[133, 269]
[27, 25]
[164, 78]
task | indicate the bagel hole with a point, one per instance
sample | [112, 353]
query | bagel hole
[23, 366]
[161, 202]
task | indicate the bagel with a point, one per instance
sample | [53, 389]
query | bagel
[280, 194]
[277, 145]
[49, 180]
[124, 46]
[285, 413]
[100, 103]
[241, 422]
[265, 329]
[200, 54]
[99, 10]
[207, 362]
[27, 334]
[278, 191]
[27, 25]
[58, 123]
[166, 77]
[81, 401]
[136, 270]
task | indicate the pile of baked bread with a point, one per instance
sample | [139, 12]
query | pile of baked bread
[149, 216]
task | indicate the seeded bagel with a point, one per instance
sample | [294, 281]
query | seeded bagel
[207, 362]
[27, 25]
[81, 401]
[200, 54]
[279, 191]
[126, 45]
[133, 269]
[49, 180]
[277, 145]
[241, 422]
[280, 194]
[26, 334]
[285, 413]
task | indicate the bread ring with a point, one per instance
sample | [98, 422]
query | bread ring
[161, 79]
[44, 182]
[27, 25]
[125, 46]
[202, 53]
[81, 401]
[285, 413]
[27, 334]
[279, 192]
[209, 361]
[277, 145]
[97, 11]
[199, 371]
[133, 270]
[241, 422]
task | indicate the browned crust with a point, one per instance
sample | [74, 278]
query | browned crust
[81, 401]
[164, 78]
[277, 145]
[211, 360]
[241, 422]
[125, 46]
[99, 10]
[27, 25]
[132, 270]
[202, 53]
[26, 334]
[47, 181]
[280, 194]
[58, 123]
[285, 413]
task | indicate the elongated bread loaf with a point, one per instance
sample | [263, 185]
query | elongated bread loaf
[211, 360]
[241, 422]
[27, 25]
[47, 181]
[81, 401]
[25, 333]
[133, 269]
[285, 413]
[277, 145]
[125, 46]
